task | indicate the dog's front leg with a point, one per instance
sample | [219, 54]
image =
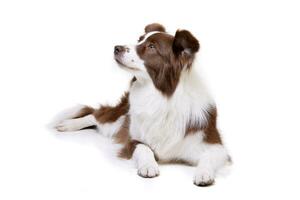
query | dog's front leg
[145, 161]
[213, 157]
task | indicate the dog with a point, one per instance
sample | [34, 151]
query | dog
[167, 115]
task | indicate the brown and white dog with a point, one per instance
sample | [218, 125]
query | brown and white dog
[167, 115]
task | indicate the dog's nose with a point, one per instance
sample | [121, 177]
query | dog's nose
[119, 49]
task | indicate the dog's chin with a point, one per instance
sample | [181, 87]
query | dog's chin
[122, 65]
[119, 62]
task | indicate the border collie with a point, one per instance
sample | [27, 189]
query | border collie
[167, 115]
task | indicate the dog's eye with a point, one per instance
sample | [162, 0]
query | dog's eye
[151, 46]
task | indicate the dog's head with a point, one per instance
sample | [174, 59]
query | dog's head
[159, 56]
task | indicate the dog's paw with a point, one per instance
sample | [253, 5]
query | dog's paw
[204, 178]
[66, 125]
[148, 171]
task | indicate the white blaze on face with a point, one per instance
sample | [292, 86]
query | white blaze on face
[132, 60]
[146, 37]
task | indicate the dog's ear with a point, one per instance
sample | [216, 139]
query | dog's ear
[185, 42]
[154, 27]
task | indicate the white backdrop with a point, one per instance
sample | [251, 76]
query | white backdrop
[55, 54]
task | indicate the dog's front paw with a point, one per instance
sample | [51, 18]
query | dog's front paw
[204, 178]
[66, 125]
[148, 171]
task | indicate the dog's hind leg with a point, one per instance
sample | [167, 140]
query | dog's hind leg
[81, 119]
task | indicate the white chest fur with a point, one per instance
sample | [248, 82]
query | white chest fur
[160, 122]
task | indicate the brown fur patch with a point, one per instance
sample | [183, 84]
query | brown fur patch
[84, 112]
[210, 130]
[108, 114]
[122, 136]
[128, 149]
[184, 40]
[212, 135]
[155, 27]
[160, 62]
